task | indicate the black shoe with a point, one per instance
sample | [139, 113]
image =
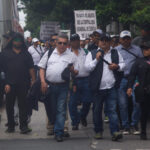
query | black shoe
[50, 132]
[59, 138]
[116, 136]
[25, 130]
[10, 130]
[84, 122]
[66, 134]
[143, 136]
[75, 127]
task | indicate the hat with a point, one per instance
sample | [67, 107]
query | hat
[125, 33]
[99, 31]
[35, 40]
[9, 34]
[75, 37]
[105, 37]
[145, 45]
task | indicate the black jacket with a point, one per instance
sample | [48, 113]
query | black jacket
[140, 71]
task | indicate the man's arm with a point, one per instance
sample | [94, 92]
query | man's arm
[32, 74]
[44, 85]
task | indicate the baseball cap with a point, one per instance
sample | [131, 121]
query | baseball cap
[99, 31]
[145, 45]
[105, 37]
[35, 40]
[125, 33]
[75, 37]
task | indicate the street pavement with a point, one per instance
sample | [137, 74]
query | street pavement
[79, 140]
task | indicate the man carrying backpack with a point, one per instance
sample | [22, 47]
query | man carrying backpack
[104, 65]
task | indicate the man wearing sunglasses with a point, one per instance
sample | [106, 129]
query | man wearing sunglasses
[51, 70]
[129, 53]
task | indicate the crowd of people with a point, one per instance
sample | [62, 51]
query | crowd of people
[105, 72]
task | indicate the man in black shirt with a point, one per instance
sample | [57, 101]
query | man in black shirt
[18, 65]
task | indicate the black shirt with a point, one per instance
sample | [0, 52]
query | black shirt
[16, 66]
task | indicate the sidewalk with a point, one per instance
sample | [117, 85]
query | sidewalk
[38, 125]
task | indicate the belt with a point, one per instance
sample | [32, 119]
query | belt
[56, 84]
[80, 78]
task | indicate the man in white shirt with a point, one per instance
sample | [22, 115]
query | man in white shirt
[36, 52]
[104, 65]
[81, 90]
[51, 75]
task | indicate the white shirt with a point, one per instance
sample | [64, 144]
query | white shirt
[108, 79]
[36, 54]
[83, 72]
[56, 64]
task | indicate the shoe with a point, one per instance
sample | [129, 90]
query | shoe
[84, 122]
[50, 132]
[116, 136]
[25, 130]
[106, 119]
[10, 130]
[16, 124]
[135, 130]
[66, 134]
[75, 127]
[143, 136]
[98, 135]
[59, 138]
[126, 132]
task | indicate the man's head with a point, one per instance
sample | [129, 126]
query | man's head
[62, 43]
[105, 42]
[125, 38]
[29, 39]
[96, 35]
[53, 40]
[145, 46]
[145, 29]
[75, 41]
[82, 42]
[114, 40]
[18, 42]
[35, 42]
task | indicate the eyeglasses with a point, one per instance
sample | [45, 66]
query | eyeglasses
[62, 43]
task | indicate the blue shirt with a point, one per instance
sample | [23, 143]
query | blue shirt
[129, 59]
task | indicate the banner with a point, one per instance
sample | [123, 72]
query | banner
[85, 22]
[48, 28]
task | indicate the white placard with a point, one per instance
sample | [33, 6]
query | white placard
[85, 22]
[48, 28]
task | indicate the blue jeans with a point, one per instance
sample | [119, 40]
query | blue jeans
[108, 96]
[57, 111]
[123, 106]
[123, 103]
[83, 94]
[136, 111]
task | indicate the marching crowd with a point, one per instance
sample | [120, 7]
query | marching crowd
[107, 73]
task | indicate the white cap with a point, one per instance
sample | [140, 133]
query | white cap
[35, 40]
[125, 33]
[99, 31]
[82, 38]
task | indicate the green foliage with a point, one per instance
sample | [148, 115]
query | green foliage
[125, 11]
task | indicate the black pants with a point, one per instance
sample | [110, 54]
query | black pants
[19, 92]
[145, 110]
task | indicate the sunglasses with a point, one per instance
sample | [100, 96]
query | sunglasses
[62, 43]
[52, 40]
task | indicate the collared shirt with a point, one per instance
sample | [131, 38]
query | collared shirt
[83, 72]
[108, 79]
[36, 53]
[129, 59]
[56, 64]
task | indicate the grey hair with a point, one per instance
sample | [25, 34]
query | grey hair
[63, 36]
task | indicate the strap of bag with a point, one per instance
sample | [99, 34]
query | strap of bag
[38, 51]
[130, 53]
